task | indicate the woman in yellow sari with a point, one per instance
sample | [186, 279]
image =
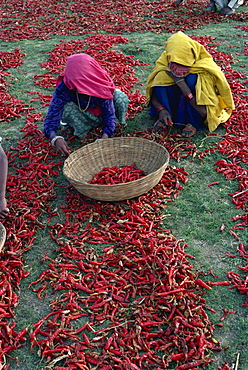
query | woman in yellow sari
[187, 88]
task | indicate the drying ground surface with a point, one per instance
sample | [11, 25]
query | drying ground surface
[99, 285]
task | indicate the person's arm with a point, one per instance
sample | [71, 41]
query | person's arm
[52, 121]
[201, 109]
[108, 117]
[3, 178]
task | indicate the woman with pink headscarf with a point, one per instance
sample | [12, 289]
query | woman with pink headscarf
[85, 97]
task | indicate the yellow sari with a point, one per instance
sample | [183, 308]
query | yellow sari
[212, 88]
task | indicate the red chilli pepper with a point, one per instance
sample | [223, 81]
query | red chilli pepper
[202, 284]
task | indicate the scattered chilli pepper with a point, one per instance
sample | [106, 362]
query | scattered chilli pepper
[213, 183]
[211, 283]
[202, 284]
[226, 366]
[212, 273]
[234, 234]
[222, 228]
[230, 255]
[242, 251]
[225, 313]
[220, 324]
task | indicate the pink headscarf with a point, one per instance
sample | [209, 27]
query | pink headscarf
[85, 74]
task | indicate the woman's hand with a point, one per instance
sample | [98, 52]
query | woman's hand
[4, 211]
[62, 147]
[164, 116]
[164, 119]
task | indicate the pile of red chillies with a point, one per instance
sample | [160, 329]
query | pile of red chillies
[27, 180]
[10, 107]
[29, 20]
[119, 306]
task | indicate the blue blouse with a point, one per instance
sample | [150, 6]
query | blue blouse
[63, 95]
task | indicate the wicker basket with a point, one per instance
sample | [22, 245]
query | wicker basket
[2, 236]
[84, 163]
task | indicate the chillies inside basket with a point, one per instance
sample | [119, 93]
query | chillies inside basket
[117, 175]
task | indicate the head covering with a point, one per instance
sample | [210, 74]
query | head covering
[83, 73]
[212, 88]
[181, 49]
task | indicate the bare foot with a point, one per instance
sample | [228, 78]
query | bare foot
[177, 2]
[189, 130]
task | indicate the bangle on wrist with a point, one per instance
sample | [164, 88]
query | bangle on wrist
[55, 138]
[160, 108]
[182, 79]
[189, 96]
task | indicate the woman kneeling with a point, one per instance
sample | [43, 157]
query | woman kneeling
[85, 97]
[187, 88]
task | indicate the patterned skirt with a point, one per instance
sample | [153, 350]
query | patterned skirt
[83, 122]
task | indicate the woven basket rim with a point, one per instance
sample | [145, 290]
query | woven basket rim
[70, 159]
